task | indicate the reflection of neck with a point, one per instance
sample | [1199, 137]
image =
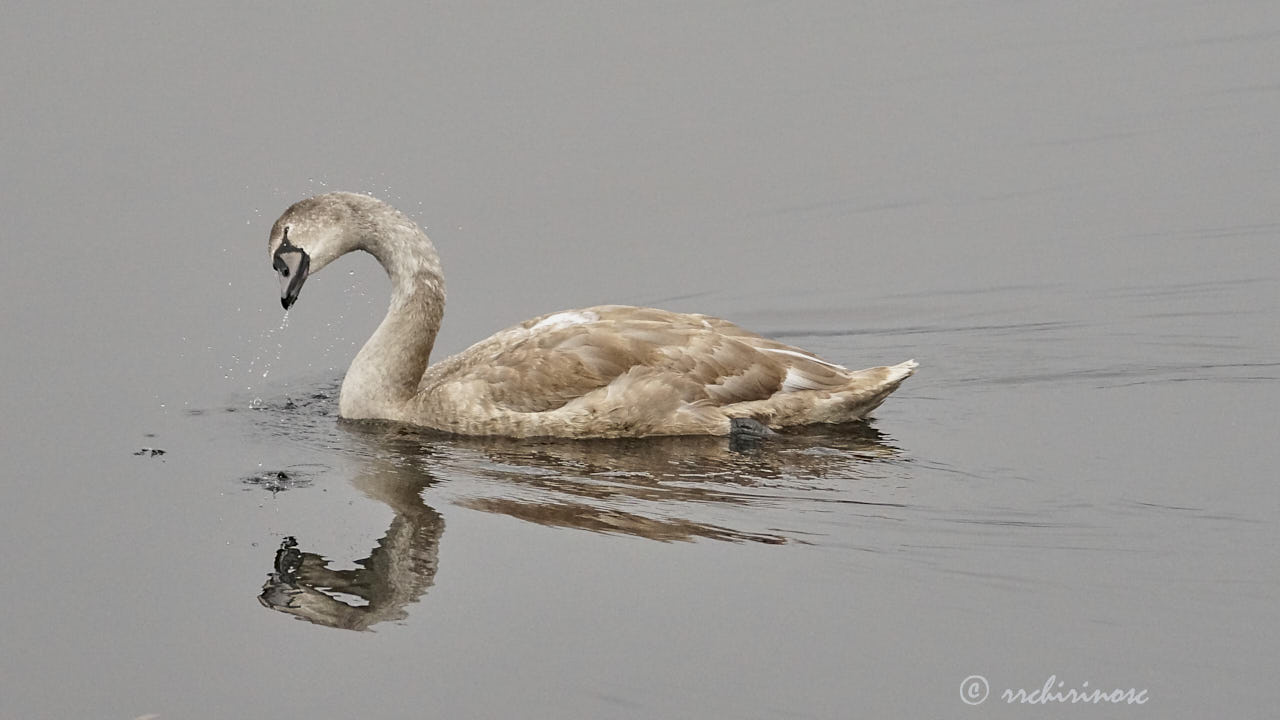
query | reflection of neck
[386, 372]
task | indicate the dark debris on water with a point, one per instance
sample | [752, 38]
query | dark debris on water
[278, 481]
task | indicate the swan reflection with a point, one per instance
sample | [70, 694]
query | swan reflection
[665, 489]
[399, 569]
[655, 488]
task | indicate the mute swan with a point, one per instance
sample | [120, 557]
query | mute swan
[606, 371]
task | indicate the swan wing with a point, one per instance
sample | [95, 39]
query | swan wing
[549, 361]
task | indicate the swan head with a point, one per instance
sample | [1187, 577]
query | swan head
[311, 234]
[292, 264]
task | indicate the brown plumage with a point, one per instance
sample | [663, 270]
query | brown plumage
[607, 371]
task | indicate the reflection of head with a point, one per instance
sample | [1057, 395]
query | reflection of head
[397, 572]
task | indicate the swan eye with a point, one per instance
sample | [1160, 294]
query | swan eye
[281, 266]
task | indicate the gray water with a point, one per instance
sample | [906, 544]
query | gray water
[1067, 212]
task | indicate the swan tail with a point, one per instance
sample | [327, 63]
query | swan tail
[867, 389]
[863, 392]
[902, 371]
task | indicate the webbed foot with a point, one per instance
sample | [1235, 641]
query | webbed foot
[746, 433]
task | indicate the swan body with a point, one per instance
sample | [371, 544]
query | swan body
[605, 371]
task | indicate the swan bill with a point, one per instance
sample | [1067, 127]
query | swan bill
[291, 264]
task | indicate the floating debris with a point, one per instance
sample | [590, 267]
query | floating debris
[150, 452]
[275, 481]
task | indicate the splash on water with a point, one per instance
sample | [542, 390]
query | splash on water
[269, 349]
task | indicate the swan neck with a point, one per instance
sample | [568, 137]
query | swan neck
[387, 371]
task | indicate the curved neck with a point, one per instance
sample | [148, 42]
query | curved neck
[386, 372]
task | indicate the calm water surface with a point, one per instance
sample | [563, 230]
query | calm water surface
[1066, 212]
